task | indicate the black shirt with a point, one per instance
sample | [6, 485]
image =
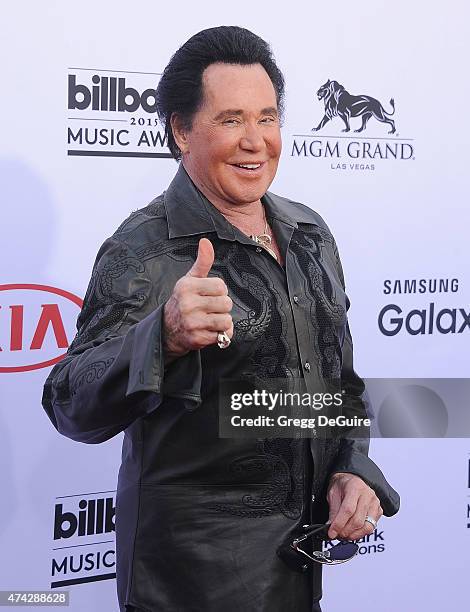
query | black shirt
[198, 517]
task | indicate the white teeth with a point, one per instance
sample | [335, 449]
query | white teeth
[250, 166]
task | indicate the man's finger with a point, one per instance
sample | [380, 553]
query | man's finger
[204, 260]
[346, 511]
[335, 505]
[217, 303]
[375, 511]
[217, 322]
[357, 521]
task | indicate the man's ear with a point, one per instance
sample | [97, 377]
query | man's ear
[180, 132]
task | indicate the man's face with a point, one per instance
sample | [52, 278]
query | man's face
[238, 123]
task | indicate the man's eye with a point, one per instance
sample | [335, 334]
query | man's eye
[230, 121]
[268, 120]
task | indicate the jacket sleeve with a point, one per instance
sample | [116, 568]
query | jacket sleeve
[114, 371]
[353, 452]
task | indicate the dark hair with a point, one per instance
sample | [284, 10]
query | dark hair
[180, 87]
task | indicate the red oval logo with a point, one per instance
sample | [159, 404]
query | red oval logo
[35, 321]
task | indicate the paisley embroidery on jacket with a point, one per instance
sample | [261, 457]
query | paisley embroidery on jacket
[179, 249]
[265, 320]
[103, 305]
[255, 324]
[280, 462]
[326, 314]
[90, 373]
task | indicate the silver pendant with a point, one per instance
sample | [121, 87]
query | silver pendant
[264, 240]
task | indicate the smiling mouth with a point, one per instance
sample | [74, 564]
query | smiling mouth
[250, 167]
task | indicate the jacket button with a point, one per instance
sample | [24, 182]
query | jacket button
[296, 299]
[307, 366]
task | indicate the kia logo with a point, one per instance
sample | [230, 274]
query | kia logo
[36, 323]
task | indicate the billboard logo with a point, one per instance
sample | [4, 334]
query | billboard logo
[112, 113]
[109, 94]
[93, 516]
[84, 548]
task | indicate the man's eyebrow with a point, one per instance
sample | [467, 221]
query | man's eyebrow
[230, 112]
[270, 110]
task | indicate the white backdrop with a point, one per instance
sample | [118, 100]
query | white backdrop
[394, 219]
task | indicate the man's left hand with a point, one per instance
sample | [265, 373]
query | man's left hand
[351, 500]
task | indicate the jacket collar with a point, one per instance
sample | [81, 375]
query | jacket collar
[190, 213]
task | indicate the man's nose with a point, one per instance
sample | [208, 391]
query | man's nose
[252, 140]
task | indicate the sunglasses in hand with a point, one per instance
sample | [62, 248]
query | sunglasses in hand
[300, 560]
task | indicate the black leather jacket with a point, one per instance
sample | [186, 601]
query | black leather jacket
[199, 518]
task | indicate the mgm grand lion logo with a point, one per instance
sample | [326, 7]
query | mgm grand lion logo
[340, 103]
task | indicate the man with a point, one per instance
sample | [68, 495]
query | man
[216, 278]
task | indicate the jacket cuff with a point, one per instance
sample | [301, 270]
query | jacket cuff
[183, 378]
[147, 372]
[146, 363]
[361, 465]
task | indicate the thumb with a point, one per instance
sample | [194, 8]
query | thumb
[204, 260]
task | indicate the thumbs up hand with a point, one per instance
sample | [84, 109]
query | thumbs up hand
[204, 260]
[198, 309]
